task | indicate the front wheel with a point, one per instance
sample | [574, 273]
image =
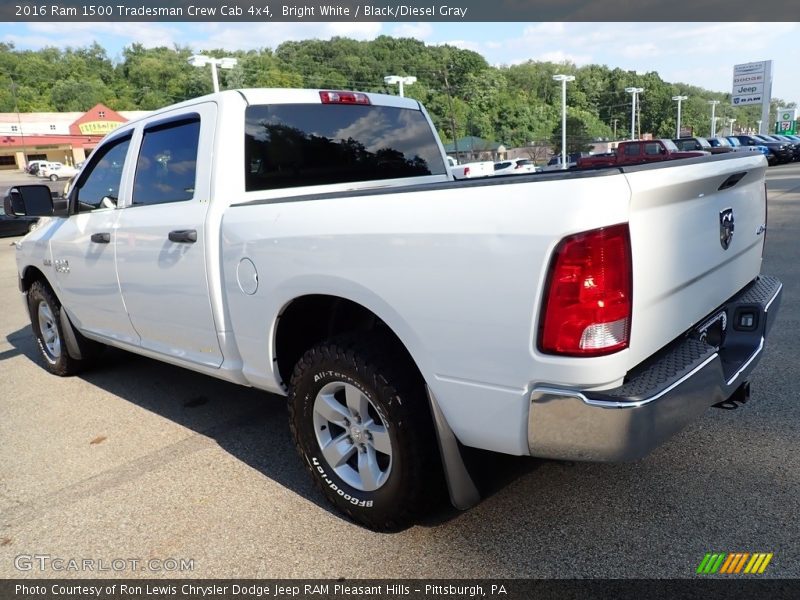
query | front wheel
[53, 177]
[45, 311]
[361, 422]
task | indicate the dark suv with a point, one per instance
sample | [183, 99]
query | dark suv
[781, 151]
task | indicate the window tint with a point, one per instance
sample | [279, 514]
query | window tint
[632, 150]
[651, 149]
[167, 164]
[99, 187]
[290, 145]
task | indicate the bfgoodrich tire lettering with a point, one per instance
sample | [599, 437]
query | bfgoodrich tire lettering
[360, 421]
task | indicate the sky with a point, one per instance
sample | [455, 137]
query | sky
[701, 54]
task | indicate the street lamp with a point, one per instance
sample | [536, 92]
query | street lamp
[713, 104]
[563, 79]
[200, 60]
[678, 125]
[397, 79]
[759, 122]
[19, 123]
[730, 125]
[634, 91]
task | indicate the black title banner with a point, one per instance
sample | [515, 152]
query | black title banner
[402, 10]
[408, 589]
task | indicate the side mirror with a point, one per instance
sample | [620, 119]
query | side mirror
[29, 200]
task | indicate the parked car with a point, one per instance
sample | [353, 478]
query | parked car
[34, 166]
[514, 166]
[794, 143]
[15, 225]
[739, 147]
[472, 170]
[637, 152]
[688, 144]
[554, 164]
[56, 171]
[781, 151]
[405, 315]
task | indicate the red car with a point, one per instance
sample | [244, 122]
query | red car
[637, 152]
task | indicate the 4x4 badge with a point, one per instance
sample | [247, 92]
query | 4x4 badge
[726, 227]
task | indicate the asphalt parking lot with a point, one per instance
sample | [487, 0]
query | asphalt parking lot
[140, 460]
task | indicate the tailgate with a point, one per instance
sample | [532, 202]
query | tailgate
[697, 234]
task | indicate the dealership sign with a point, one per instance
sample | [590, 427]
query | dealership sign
[751, 83]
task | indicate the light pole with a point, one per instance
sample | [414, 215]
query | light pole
[615, 128]
[634, 91]
[397, 79]
[759, 122]
[713, 104]
[730, 125]
[563, 79]
[19, 124]
[678, 125]
[200, 60]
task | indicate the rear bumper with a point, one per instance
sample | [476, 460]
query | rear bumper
[660, 397]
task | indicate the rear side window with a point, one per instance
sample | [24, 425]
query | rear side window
[167, 165]
[632, 149]
[651, 149]
[291, 145]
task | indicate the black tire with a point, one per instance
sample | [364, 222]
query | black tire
[53, 177]
[56, 359]
[412, 476]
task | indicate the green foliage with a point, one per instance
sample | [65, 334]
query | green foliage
[517, 105]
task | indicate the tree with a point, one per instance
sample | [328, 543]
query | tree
[578, 136]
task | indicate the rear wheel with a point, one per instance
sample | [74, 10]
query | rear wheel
[53, 177]
[361, 422]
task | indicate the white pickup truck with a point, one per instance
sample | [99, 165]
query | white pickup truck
[471, 170]
[313, 244]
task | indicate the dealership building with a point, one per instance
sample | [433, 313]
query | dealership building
[65, 137]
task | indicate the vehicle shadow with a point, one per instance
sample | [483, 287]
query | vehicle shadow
[250, 424]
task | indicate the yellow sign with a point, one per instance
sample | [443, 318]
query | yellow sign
[98, 127]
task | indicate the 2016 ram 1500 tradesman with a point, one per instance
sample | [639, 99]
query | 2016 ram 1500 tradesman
[312, 244]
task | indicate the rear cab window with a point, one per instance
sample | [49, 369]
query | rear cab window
[298, 145]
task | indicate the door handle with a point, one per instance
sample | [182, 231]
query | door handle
[101, 238]
[183, 236]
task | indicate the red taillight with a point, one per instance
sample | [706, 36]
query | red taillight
[343, 98]
[588, 295]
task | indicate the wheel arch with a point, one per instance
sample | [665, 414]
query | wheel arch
[309, 319]
[30, 275]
